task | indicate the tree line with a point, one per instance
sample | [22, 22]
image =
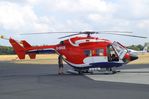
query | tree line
[138, 47]
[4, 50]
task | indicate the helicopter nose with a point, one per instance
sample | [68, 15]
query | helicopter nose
[133, 57]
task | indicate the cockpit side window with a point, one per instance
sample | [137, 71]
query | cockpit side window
[99, 52]
[87, 53]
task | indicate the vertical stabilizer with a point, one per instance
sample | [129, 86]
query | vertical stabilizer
[20, 51]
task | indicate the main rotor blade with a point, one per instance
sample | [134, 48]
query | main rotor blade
[36, 33]
[69, 35]
[114, 31]
[2, 37]
[79, 33]
[123, 35]
[86, 32]
[92, 32]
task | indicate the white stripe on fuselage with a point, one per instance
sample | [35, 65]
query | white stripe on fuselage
[77, 65]
[84, 41]
[41, 49]
[95, 59]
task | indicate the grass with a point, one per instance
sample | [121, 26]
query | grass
[40, 59]
[52, 59]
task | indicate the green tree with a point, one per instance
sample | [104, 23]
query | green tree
[6, 50]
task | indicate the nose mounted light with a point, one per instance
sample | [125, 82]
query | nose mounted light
[129, 57]
[133, 57]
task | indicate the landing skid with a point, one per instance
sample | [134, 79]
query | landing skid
[80, 72]
[110, 72]
[72, 72]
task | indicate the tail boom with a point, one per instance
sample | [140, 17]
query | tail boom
[23, 47]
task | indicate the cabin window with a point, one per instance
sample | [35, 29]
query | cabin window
[87, 53]
[99, 52]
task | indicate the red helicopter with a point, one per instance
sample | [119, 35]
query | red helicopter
[83, 54]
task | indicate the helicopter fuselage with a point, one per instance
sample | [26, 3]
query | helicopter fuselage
[91, 52]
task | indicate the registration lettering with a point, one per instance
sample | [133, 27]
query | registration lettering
[61, 48]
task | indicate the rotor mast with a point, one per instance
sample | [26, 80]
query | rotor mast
[88, 33]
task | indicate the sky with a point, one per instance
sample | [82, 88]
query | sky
[34, 16]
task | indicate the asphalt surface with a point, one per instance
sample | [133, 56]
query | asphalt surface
[18, 81]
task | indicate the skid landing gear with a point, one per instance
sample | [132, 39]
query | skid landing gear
[72, 72]
[111, 71]
[79, 72]
[106, 71]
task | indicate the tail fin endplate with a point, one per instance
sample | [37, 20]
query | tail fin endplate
[27, 45]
